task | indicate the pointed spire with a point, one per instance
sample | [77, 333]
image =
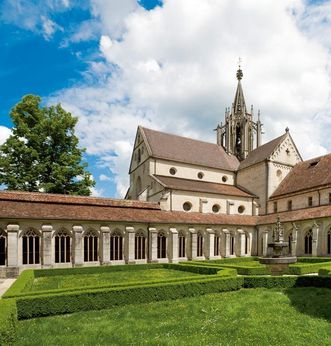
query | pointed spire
[239, 106]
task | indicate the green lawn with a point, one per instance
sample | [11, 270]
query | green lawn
[106, 278]
[300, 316]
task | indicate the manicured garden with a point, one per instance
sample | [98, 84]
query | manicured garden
[121, 289]
[296, 316]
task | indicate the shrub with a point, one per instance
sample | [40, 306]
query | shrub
[45, 305]
[326, 271]
[314, 259]
[206, 270]
[307, 268]
[8, 321]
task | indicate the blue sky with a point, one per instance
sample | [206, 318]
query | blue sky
[168, 65]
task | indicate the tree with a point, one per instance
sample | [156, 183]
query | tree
[42, 154]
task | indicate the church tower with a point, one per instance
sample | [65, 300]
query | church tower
[240, 134]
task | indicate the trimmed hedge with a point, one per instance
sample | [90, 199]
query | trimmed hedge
[286, 281]
[235, 260]
[8, 321]
[314, 259]
[205, 270]
[55, 304]
[307, 268]
[325, 271]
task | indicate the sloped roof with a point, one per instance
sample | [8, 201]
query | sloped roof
[182, 149]
[296, 215]
[52, 209]
[306, 175]
[38, 197]
[201, 186]
[261, 153]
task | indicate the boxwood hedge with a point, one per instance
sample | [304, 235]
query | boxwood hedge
[307, 268]
[8, 321]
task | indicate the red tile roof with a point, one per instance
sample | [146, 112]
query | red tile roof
[201, 186]
[306, 175]
[181, 149]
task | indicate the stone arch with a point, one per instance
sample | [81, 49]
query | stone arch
[161, 244]
[91, 245]
[140, 243]
[3, 247]
[247, 247]
[62, 245]
[308, 242]
[181, 244]
[116, 245]
[200, 244]
[30, 246]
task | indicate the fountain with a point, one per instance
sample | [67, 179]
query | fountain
[278, 257]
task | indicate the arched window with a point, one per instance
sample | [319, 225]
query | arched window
[217, 241]
[231, 244]
[139, 156]
[329, 242]
[31, 247]
[199, 244]
[181, 245]
[62, 247]
[3, 247]
[246, 243]
[308, 242]
[140, 246]
[289, 239]
[161, 245]
[90, 246]
[138, 186]
[116, 246]
[262, 244]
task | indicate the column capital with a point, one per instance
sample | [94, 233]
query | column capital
[173, 230]
[210, 231]
[152, 229]
[129, 229]
[77, 229]
[192, 230]
[13, 228]
[225, 230]
[105, 229]
[47, 228]
[239, 230]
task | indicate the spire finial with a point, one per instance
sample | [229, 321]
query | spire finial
[287, 129]
[239, 71]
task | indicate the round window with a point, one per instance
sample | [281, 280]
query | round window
[187, 206]
[279, 173]
[200, 175]
[241, 209]
[224, 178]
[216, 208]
[172, 170]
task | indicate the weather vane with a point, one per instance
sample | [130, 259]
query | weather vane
[239, 61]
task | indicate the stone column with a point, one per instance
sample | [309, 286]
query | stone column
[226, 243]
[265, 243]
[78, 259]
[152, 245]
[316, 228]
[241, 243]
[294, 239]
[209, 243]
[129, 245]
[193, 233]
[12, 246]
[47, 258]
[173, 245]
[105, 245]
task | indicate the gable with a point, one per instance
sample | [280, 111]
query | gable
[286, 152]
[140, 150]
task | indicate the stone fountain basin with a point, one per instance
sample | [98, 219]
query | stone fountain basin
[277, 260]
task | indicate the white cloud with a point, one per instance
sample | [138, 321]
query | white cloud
[104, 177]
[173, 68]
[5, 132]
[96, 192]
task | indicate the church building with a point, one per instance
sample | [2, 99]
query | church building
[187, 199]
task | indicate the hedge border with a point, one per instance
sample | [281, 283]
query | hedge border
[8, 321]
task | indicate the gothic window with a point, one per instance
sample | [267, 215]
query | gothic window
[310, 201]
[329, 242]
[231, 244]
[31, 247]
[90, 246]
[246, 243]
[262, 244]
[290, 238]
[199, 245]
[139, 156]
[217, 240]
[138, 186]
[289, 205]
[181, 245]
[161, 245]
[116, 246]
[275, 207]
[62, 247]
[308, 242]
[139, 246]
[3, 247]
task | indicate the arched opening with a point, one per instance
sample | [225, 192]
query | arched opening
[290, 239]
[62, 247]
[31, 247]
[140, 246]
[199, 244]
[217, 245]
[161, 245]
[3, 247]
[138, 186]
[181, 245]
[116, 246]
[309, 242]
[247, 249]
[262, 244]
[329, 242]
[90, 246]
[231, 244]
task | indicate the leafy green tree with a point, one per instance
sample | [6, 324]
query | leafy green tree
[42, 154]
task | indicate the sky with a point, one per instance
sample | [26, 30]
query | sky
[168, 65]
